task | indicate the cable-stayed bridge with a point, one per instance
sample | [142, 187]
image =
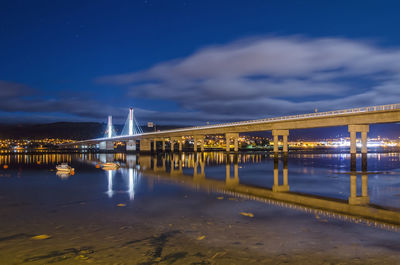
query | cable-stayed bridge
[131, 128]
[357, 120]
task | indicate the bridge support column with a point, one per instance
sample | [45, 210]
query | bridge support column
[353, 142]
[202, 144]
[107, 146]
[236, 144]
[228, 145]
[353, 130]
[172, 144]
[131, 145]
[155, 145]
[196, 140]
[145, 145]
[276, 143]
[284, 134]
[228, 137]
[364, 148]
[163, 145]
[285, 144]
[195, 144]
[180, 145]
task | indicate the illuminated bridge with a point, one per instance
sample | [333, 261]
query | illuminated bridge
[357, 120]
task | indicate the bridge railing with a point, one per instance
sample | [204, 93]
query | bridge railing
[291, 117]
[308, 115]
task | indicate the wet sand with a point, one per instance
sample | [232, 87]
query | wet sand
[185, 228]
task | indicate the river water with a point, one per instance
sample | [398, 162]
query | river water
[205, 208]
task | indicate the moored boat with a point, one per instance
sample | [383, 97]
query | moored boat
[110, 166]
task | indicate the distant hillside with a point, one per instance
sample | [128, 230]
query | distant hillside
[89, 130]
[63, 130]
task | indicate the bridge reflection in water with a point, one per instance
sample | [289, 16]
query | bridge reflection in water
[189, 170]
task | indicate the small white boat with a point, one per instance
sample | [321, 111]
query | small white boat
[110, 166]
[64, 167]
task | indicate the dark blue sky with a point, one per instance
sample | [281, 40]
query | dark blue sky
[189, 62]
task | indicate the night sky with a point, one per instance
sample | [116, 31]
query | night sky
[192, 62]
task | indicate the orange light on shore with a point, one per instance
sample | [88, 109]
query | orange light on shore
[5, 166]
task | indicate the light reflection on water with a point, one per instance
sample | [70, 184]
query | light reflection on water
[367, 182]
[307, 202]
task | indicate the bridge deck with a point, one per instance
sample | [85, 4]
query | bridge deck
[365, 115]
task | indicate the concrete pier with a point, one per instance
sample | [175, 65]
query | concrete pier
[195, 140]
[202, 144]
[163, 145]
[180, 145]
[145, 146]
[353, 130]
[107, 146]
[131, 146]
[284, 134]
[228, 138]
[180, 142]
[154, 145]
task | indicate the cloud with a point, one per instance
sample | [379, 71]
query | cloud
[248, 79]
[21, 100]
[262, 77]
[11, 89]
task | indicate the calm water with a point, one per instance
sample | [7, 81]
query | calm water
[208, 208]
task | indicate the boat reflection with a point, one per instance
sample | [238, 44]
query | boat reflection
[63, 175]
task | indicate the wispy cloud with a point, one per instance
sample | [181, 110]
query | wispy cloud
[247, 79]
[270, 76]
[21, 100]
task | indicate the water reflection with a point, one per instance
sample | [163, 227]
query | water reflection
[132, 180]
[63, 175]
[355, 208]
[285, 185]
[110, 177]
[128, 172]
[328, 184]
[355, 199]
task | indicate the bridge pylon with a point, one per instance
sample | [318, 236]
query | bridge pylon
[131, 128]
[109, 133]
